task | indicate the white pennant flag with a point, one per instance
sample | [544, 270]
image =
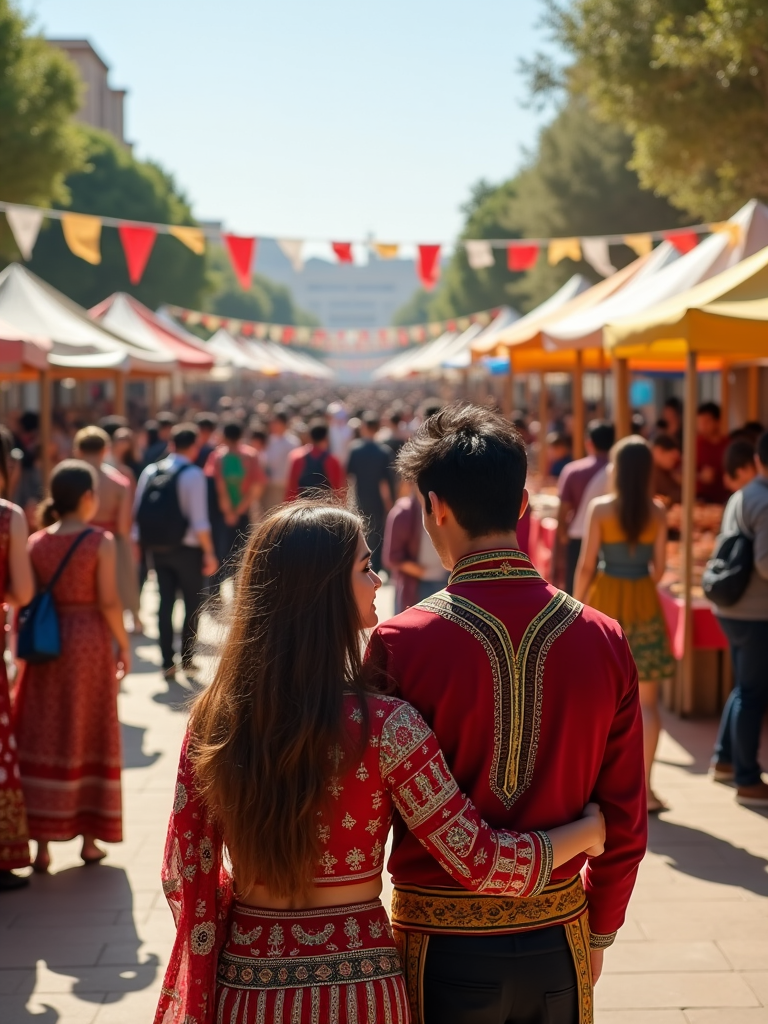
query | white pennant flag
[479, 254]
[595, 252]
[293, 249]
[25, 224]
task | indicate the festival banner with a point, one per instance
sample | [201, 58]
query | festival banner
[137, 245]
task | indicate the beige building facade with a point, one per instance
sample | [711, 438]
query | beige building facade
[102, 106]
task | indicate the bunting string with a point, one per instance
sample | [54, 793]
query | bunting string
[377, 340]
[82, 233]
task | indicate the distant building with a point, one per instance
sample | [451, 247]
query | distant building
[102, 106]
[342, 295]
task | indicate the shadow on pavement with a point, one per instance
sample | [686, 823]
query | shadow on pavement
[133, 747]
[81, 897]
[704, 856]
[178, 696]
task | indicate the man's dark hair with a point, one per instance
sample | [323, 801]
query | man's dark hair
[666, 443]
[602, 435]
[206, 420]
[318, 431]
[233, 430]
[111, 424]
[709, 409]
[738, 454]
[281, 415]
[29, 421]
[673, 402]
[372, 421]
[475, 461]
[184, 436]
[429, 407]
[167, 419]
[762, 449]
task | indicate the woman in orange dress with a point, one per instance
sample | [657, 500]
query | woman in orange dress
[16, 588]
[66, 712]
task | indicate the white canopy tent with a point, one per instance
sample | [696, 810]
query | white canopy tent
[417, 360]
[460, 355]
[231, 355]
[286, 360]
[663, 276]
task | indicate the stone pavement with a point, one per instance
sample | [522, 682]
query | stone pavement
[88, 945]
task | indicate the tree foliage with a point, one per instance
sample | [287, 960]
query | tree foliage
[266, 300]
[688, 79]
[116, 184]
[39, 143]
[576, 183]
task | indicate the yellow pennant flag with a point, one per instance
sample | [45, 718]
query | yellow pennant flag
[641, 244]
[562, 248]
[727, 227]
[193, 238]
[385, 251]
[83, 235]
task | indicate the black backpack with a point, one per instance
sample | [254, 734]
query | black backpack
[313, 474]
[162, 524]
[729, 570]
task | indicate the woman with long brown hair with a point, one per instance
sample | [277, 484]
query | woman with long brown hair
[623, 556]
[289, 777]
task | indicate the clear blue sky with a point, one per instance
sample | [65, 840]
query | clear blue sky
[319, 118]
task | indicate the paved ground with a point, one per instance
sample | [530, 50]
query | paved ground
[88, 945]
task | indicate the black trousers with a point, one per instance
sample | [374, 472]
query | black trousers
[572, 553]
[528, 978]
[179, 570]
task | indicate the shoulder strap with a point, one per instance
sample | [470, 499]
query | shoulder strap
[62, 566]
[739, 514]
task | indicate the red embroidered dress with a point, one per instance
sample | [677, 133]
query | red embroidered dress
[65, 715]
[14, 844]
[341, 965]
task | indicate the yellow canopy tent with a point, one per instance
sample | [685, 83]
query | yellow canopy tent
[718, 323]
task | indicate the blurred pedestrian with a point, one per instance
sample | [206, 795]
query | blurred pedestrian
[313, 468]
[239, 481]
[65, 715]
[370, 468]
[280, 444]
[409, 554]
[158, 449]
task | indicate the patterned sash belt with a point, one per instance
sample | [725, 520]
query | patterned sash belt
[418, 912]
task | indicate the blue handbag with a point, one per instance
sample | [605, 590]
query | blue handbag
[39, 637]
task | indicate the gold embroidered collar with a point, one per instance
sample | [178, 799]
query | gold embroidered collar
[501, 564]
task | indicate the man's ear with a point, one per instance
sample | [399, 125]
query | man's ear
[523, 504]
[439, 509]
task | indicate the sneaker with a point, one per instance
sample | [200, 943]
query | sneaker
[721, 771]
[753, 796]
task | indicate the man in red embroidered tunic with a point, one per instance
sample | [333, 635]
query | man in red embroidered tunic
[534, 700]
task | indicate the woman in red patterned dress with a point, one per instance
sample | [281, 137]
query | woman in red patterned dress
[16, 588]
[65, 715]
[295, 765]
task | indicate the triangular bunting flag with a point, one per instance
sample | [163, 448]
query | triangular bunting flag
[193, 238]
[521, 257]
[24, 223]
[343, 251]
[563, 248]
[428, 265]
[479, 254]
[683, 241]
[137, 245]
[83, 236]
[241, 253]
[595, 252]
[727, 227]
[385, 251]
[640, 244]
[293, 250]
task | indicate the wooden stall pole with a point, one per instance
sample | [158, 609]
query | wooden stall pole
[601, 405]
[753, 392]
[507, 399]
[621, 397]
[45, 426]
[577, 400]
[543, 417]
[725, 399]
[119, 393]
[684, 697]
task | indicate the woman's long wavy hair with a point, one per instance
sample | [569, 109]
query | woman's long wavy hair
[261, 735]
[632, 470]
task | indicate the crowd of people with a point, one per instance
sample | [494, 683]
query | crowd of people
[309, 501]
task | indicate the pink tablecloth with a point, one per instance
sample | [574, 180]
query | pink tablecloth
[706, 629]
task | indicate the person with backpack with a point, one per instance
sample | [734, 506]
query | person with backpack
[312, 467]
[171, 513]
[742, 610]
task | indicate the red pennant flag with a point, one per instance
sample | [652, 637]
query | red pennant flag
[289, 333]
[241, 253]
[247, 329]
[521, 257]
[683, 241]
[137, 245]
[343, 251]
[428, 265]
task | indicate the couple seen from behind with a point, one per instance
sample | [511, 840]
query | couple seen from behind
[496, 725]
